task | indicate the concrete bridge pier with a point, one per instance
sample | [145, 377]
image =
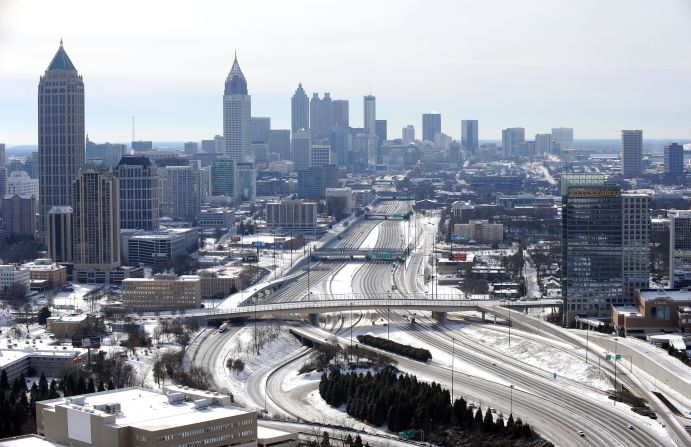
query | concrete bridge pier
[483, 316]
[440, 317]
[314, 319]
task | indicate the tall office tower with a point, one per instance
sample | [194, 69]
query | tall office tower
[679, 248]
[370, 114]
[142, 146]
[191, 148]
[139, 193]
[223, 172]
[237, 113]
[3, 183]
[380, 129]
[320, 155]
[431, 126]
[469, 135]
[364, 151]
[300, 150]
[511, 140]
[96, 226]
[299, 110]
[21, 184]
[563, 137]
[631, 153]
[246, 182]
[341, 113]
[408, 134]
[321, 116]
[260, 129]
[220, 144]
[635, 243]
[180, 195]
[59, 234]
[106, 154]
[204, 183]
[313, 182]
[3, 158]
[339, 140]
[208, 146]
[279, 143]
[543, 143]
[674, 159]
[31, 165]
[60, 132]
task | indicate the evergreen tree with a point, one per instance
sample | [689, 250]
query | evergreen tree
[91, 386]
[478, 418]
[358, 441]
[499, 424]
[111, 385]
[42, 387]
[509, 424]
[325, 440]
[101, 387]
[488, 422]
[4, 383]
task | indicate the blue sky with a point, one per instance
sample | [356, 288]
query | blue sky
[598, 66]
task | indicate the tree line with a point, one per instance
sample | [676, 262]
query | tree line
[419, 354]
[402, 402]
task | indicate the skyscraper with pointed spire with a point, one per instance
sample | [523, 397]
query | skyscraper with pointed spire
[237, 112]
[300, 110]
[60, 133]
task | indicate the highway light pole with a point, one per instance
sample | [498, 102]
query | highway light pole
[509, 324]
[351, 331]
[511, 399]
[453, 356]
[615, 370]
[388, 319]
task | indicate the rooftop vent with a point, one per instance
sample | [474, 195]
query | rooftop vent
[201, 404]
[176, 398]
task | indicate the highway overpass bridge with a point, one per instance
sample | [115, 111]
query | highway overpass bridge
[356, 254]
[438, 307]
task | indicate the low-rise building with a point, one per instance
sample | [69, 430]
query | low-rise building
[213, 218]
[54, 361]
[481, 231]
[162, 292]
[220, 281]
[139, 417]
[45, 269]
[157, 247]
[11, 274]
[68, 326]
[655, 311]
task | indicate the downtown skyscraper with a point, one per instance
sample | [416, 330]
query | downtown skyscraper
[370, 114]
[469, 135]
[300, 110]
[237, 114]
[60, 133]
[631, 153]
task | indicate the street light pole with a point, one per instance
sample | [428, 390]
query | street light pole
[615, 370]
[509, 324]
[453, 356]
[511, 404]
[388, 319]
[351, 331]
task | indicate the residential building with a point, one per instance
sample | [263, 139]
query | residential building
[312, 182]
[60, 133]
[96, 226]
[208, 146]
[408, 134]
[180, 192]
[106, 154]
[654, 311]
[635, 243]
[237, 112]
[162, 292]
[631, 153]
[191, 148]
[59, 234]
[279, 143]
[679, 248]
[11, 274]
[562, 137]
[300, 149]
[157, 247]
[543, 144]
[47, 270]
[431, 126]
[300, 110]
[480, 231]
[341, 113]
[511, 140]
[140, 417]
[219, 144]
[223, 175]
[320, 155]
[469, 135]
[291, 214]
[674, 159]
[246, 190]
[370, 114]
[19, 214]
[21, 184]
[142, 146]
[139, 193]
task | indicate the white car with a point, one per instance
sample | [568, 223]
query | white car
[580, 433]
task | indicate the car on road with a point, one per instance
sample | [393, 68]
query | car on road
[630, 427]
[580, 433]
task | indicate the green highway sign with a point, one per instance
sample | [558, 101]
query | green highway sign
[618, 357]
[608, 357]
[407, 434]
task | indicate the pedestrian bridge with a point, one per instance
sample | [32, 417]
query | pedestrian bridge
[438, 307]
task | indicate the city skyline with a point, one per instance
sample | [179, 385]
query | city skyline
[537, 79]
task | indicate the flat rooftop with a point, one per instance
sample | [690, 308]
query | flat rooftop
[675, 295]
[630, 311]
[148, 410]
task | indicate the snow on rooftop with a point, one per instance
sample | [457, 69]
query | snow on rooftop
[675, 295]
[628, 310]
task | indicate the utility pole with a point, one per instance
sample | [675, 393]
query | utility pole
[615, 371]
[511, 404]
[453, 356]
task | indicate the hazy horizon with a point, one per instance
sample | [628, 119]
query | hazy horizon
[595, 66]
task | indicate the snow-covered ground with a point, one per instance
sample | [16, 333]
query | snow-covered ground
[371, 239]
